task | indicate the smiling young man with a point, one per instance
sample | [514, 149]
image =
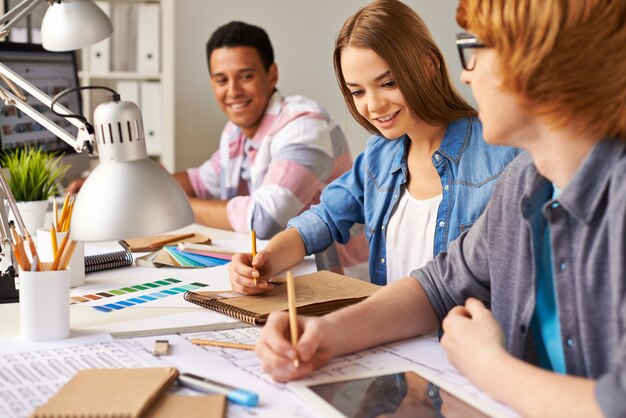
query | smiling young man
[276, 153]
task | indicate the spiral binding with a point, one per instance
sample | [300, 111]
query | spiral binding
[223, 308]
[108, 261]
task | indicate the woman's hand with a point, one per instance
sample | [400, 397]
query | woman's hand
[250, 276]
[315, 346]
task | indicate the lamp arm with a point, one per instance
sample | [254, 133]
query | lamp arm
[16, 14]
[85, 139]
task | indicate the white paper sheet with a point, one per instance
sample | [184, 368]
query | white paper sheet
[28, 379]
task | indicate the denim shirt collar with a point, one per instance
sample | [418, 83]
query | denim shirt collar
[399, 158]
[450, 146]
[586, 191]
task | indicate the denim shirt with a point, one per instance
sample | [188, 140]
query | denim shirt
[368, 194]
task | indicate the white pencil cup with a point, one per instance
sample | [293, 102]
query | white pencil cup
[45, 305]
[77, 262]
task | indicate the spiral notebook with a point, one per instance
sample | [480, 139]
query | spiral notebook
[108, 261]
[317, 293]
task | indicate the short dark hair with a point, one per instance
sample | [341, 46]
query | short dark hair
[241, 34]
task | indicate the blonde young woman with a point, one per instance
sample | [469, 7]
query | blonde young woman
[426, 174]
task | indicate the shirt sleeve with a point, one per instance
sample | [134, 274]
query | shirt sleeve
[302, 156]
[340, 207]
[205, 180]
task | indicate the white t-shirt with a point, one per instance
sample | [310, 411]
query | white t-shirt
[410, 235]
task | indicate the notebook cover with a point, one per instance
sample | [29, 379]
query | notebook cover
[177, 406]
[108, 393]
[316, 294]
[145, 243]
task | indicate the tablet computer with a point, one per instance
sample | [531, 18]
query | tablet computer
[412, 391]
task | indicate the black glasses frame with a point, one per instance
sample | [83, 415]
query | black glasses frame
[465, 41]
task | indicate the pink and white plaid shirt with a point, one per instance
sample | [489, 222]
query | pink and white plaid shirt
[270, 178]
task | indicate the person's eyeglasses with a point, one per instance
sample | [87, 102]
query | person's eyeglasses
[467, 43]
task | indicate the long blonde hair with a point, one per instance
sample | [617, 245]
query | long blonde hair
[565, 60]
[399, 36]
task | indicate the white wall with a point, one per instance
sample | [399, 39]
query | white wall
[303, 34]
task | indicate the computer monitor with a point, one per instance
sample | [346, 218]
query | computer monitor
[51, 72]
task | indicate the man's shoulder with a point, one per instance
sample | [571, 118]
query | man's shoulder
[302, 105]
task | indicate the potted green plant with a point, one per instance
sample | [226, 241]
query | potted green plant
[33, 176]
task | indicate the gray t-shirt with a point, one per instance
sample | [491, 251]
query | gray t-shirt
[495, 263]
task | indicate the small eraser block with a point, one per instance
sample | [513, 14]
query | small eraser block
[161, 347]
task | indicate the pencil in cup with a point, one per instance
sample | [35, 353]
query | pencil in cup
[293, 319]
[69, 253]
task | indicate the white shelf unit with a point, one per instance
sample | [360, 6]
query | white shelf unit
[165, 78]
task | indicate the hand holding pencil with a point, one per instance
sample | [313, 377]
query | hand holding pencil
[291, 347]
[250, 279]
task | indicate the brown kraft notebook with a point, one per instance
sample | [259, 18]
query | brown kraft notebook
[316, 294]
[119, 393]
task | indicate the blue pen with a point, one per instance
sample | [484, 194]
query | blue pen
[239, 396]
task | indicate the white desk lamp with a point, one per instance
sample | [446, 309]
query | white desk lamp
[127, 195]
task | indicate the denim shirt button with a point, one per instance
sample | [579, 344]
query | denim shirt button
[446, 187]
[382, 260]
[442, 224]
[437, 156]
[382, 228]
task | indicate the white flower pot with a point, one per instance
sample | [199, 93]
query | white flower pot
[33, 213]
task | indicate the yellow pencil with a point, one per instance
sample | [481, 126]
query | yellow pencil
[253, 237]
[225, 344]
[66, 201]
[57, 258]
[53, 238]
[293, 319]
[68, 219]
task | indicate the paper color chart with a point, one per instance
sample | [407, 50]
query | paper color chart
[136, 294]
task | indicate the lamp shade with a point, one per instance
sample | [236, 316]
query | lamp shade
[74, 24]
[128, 199]
[127, 195]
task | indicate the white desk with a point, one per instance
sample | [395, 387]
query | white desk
[90, 343]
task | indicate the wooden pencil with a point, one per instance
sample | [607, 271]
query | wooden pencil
[55, 214]
[170, 239]
[293, 319]
[57, 259]
[31, 244]
[20, 251]
[67, 255]
[225, 344]
[253, 238]
[53, 239]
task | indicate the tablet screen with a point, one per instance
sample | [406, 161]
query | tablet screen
[404, 394]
